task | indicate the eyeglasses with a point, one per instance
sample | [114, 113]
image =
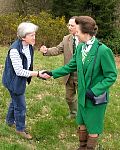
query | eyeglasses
[70, 25]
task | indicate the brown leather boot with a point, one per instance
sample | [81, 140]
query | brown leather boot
[91, 143]
[83, 135]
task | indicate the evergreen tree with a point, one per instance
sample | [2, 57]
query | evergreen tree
[25, 7]
[60, 8]
[101, 10]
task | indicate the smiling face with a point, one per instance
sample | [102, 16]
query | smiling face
[29, 39]
[85, 28]
[83, 37]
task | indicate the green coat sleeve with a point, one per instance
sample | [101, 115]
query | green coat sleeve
[109, 72]
[66, 69]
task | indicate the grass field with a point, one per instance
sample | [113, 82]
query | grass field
[47, 111]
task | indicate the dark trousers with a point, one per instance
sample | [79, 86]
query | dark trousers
[71, 97]
[16, 111]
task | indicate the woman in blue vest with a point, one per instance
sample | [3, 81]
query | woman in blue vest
[19, 70]
[96, 70]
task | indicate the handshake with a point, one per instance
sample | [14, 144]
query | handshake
[44, 74]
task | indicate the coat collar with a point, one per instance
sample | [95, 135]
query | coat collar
[89, 58]
[91, 55]
[80, 64]
[70, 41]
[19, 46]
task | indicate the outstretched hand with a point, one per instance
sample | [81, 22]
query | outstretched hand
[43, 49]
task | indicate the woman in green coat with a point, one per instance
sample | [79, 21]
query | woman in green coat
[96, 70]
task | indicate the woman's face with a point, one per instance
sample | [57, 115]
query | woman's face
[81, 36]
[29, 39]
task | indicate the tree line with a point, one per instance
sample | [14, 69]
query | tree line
[105, 12]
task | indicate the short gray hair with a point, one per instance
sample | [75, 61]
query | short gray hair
[25, 28]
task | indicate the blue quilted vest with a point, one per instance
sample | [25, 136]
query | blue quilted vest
[10, 80]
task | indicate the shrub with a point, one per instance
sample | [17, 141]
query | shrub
[50, 32]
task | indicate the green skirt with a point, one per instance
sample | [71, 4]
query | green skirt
[92, 118]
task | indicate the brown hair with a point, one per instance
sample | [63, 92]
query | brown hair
[87, 25]
[73, 17]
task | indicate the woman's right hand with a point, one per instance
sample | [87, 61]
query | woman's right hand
[45, 74]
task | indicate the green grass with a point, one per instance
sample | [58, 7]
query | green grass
[47, 111]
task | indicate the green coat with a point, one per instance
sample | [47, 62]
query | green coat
[104, 75]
